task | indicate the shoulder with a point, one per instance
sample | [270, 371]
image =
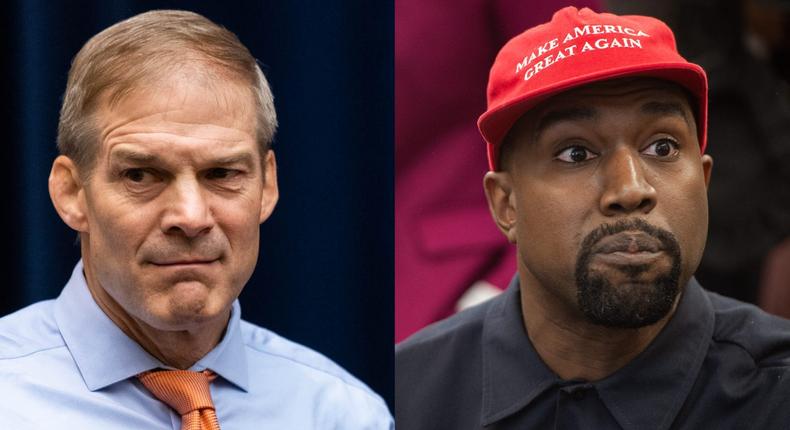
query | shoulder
[452, 347]
[309, 374]
[458, 330]
[35, 365]
[765, 337]
[440, 368]
[262, 342]
[28, 331]
[745, 377]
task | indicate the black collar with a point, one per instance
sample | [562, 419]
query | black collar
[647, 393]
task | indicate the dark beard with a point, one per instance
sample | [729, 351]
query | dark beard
[639, 304]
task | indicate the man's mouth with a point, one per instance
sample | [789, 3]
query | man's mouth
[630, 242]
[628, 258]
[628, 248]
[184, 262]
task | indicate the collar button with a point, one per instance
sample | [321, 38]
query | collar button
[577, 392]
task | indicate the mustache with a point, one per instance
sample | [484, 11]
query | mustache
[604, 303]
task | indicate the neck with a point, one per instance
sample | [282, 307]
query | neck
[573, 347]
[179, 348]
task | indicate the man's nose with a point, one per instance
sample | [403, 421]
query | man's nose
[188, 212]
[626, 189]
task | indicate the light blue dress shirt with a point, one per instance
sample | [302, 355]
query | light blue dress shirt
[65, 364]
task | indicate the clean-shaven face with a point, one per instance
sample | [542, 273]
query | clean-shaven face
[174, 201]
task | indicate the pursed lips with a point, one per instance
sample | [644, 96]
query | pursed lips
[629, 248]
[628, 242]
[185, 262]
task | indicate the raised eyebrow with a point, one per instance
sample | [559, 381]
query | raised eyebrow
[561, 115]
[666, 109]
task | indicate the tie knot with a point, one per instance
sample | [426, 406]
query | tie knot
[183, 390]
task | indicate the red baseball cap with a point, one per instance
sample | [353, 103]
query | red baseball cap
[575, 48]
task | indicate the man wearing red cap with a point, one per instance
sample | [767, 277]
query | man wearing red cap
[596, 132]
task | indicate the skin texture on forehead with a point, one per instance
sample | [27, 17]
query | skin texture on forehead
[192, 85]
[613, 88]
[619, 151]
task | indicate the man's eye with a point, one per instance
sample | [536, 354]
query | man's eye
[221, 173]
[575, 154]
[137, 175]
[662, 148]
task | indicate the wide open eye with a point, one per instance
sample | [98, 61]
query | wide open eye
[662, 148]
[575, 154]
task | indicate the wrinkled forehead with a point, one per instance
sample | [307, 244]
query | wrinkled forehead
[653, 95]
[632, 91]
[626, 93]
[182, 81]
[182, 110]
[187, 96]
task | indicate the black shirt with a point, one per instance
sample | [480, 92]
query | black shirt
[717, 364]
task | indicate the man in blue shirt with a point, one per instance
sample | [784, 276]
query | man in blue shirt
[166, 173]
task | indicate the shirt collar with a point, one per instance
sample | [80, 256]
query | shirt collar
[668, 366]
[514, 374]
[104, 354]
[229, 359]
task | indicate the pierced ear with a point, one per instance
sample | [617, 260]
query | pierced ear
[707, 168]
[68, 194]
[499, 193]
[269, 194]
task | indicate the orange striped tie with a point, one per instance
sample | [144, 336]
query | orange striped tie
[187, 392]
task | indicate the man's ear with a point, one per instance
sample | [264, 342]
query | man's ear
[707, 168]
[68, 193]
[269, 193]
[501, 201]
